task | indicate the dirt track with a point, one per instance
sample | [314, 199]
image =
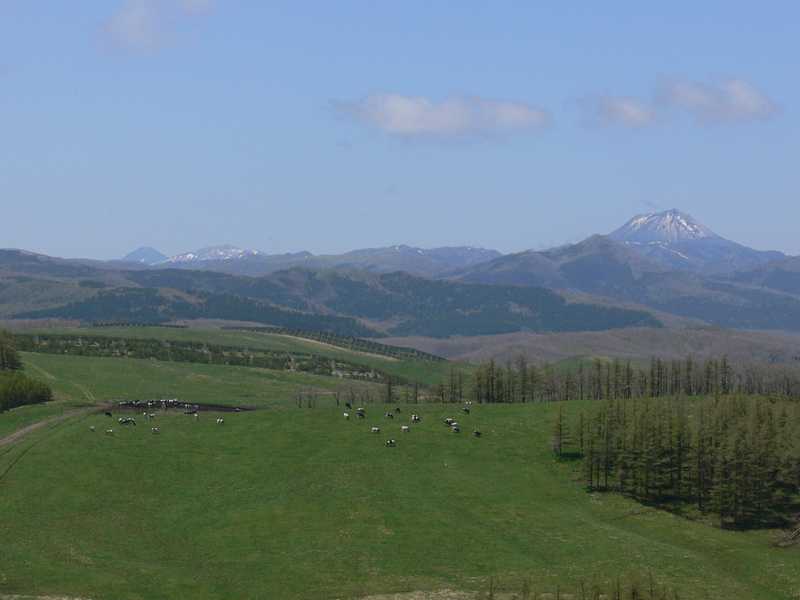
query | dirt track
[21, 433]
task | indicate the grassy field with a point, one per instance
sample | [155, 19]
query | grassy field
[89, 379]
[299, 503]
[424, 372]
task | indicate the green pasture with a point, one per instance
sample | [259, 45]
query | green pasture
[300, 503]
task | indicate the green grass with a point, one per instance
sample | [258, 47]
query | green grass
[291, 503]
[23, 416]
[424, 372]
[91, 379]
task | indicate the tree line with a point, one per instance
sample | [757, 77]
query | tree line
[519, 381]
[15, 388]
[732, 456]
[9, 358]
[356, 344]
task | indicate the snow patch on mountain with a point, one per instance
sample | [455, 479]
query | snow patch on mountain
[214, 253]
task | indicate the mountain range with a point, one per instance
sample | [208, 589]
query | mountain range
[232, 259]
[656, 269]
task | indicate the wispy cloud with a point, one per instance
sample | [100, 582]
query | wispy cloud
[144, 25]
[415, 116]
[729, 100]
[196, 6]
[622, 111]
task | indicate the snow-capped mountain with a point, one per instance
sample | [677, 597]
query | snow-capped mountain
[676, 240]
[145, 256]
[225, 252]
[666, 227]
[428, 262]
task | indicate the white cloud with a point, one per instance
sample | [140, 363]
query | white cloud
[137, 25]
[623, 111]
[419, 116]
[143, 25]
[730, 100]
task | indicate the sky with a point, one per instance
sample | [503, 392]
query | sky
[328, 126]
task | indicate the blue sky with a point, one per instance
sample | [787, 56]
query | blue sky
[329, 126]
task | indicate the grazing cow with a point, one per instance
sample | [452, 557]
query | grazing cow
[108, 414]
[448, 421]
[375, 430]
[109, 432]
[466, 409]
[389, 415]
[390, 443]
[151, 416]
[220, 421]
[476, 433]
[456, 429]
[155, 430]
[405, 428]
[346, 416]
[361, 415]
[415, 418]
[91, 428]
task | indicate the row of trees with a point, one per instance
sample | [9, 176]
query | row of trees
[18, 390]
[15, 388]
[736, 457]
[194, 352]
[9, 359]
[631, 587]
[519, 381]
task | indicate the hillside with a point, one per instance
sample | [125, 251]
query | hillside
[603, 267]
[633, 344]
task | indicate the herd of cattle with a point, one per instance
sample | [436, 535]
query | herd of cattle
[188, 409]
[192, 410]
[450, 422]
